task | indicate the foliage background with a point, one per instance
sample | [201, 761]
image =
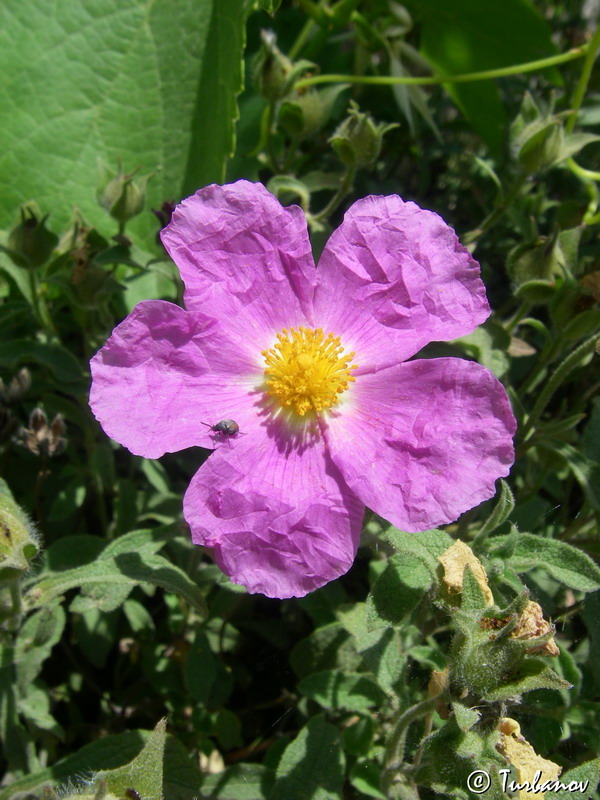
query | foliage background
[111, 620]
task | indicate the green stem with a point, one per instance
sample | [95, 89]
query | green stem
[394, 751]
[562, 371]
[40, 309]
[580, 90]
[270, 144]
[11, 617]
[518, 317]
[302, 38]
[582, 172]
[337, 198]
[320, 13]
[496, 215]
[434, 80]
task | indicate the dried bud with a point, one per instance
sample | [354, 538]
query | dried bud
[163, 215]
[453, 561]
[357, 140]
[438, 683]
[42, 439]
[18, 539]
[17, 387]
[530, 625]
[30, 243]
[122, 196]
[530, 767]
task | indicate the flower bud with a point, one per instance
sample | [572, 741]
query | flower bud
[357, 140]
[18, 540]
[272, 69]
[30, 243]
[122, 196]
[302, 116]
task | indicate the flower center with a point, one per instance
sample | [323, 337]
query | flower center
[306, 370]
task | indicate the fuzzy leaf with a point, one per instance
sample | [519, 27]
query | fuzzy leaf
[398, 590]
[312, 766]
[525, 551]
[338, 690]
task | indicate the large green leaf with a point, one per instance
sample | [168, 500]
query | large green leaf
[471, 36]
[150, 82]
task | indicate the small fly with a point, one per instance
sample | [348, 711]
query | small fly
[227, 427]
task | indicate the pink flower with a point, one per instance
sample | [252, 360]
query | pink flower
[312, 365]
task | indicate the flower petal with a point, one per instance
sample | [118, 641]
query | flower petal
[281, 523]
[162, 373]
[396, 274]
[424, 441]
[244, 258]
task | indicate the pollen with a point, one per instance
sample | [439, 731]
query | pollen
[306, 370]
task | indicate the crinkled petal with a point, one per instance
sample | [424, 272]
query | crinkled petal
[424, 441]
[244, 258]
[395, 274]
[163, 372]
[281, 520]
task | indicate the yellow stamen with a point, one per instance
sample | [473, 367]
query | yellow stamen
[306, 370]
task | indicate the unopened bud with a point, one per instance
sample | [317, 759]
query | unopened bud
[357, 140]
[302, 116]
[30, 243]
[272, 69]
[18, 539]
[123, 195]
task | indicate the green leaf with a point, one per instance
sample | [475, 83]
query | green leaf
[472, 596]
[63, 365]
[586, 773]
[502, 511]
[471, 36]
[591, 617]
[115, 77]
[124, 569]
[567, 564]
[398, 590]
[326, 648]
[312, 766]
[382, 653]
[533, 674]
[109, 751]
[338, 690]
[20, 278]
[428, 546]
[366, 777]
[586, 473]
[240, 782]
[591, 435]
[358, 735]
[35, 707]
[34, 643]
[465, 717]
[270, 6]
[488, 344]
[144, 773]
